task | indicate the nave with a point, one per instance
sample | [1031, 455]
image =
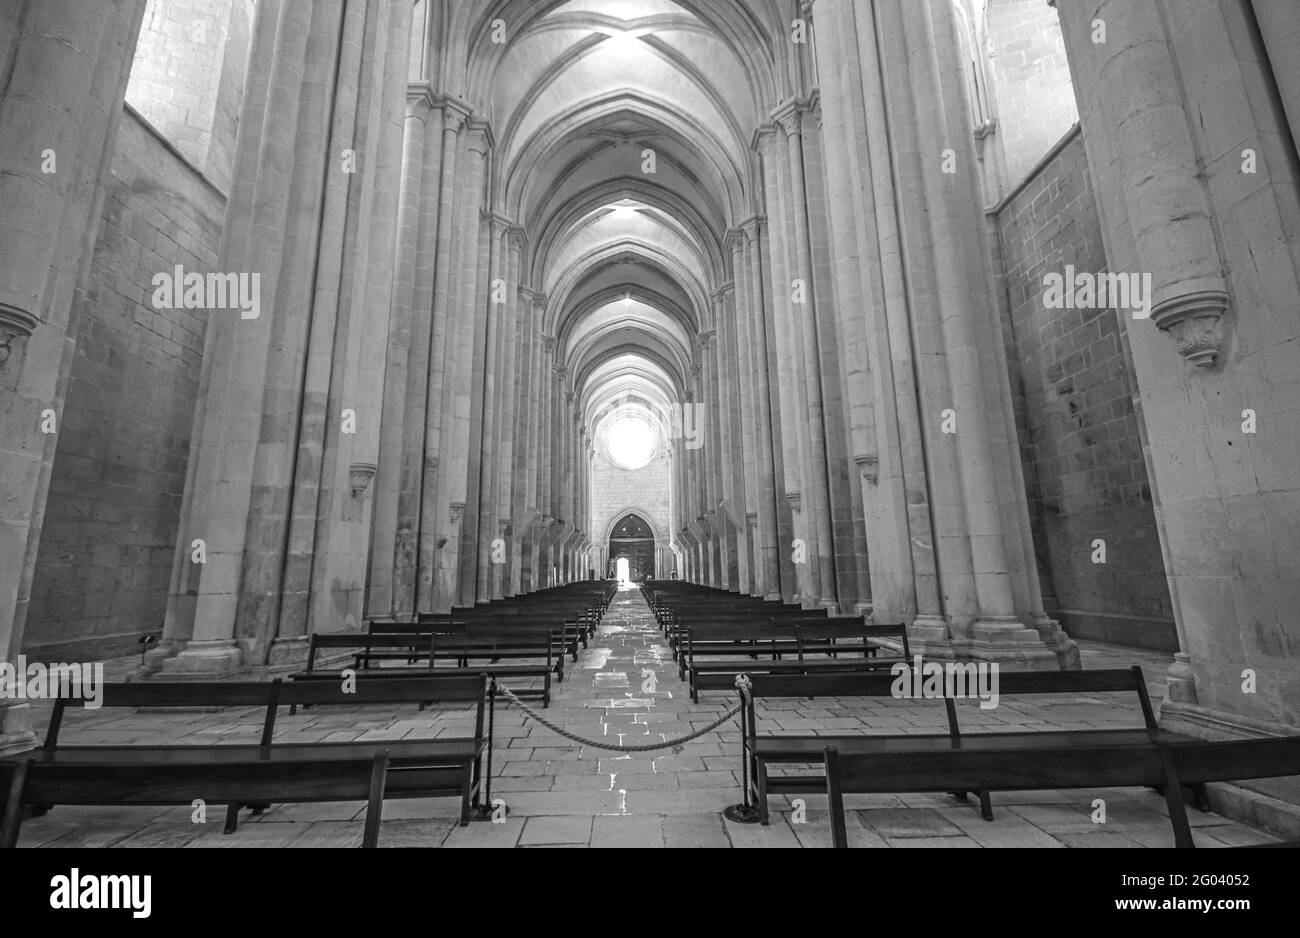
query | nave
[559, 793]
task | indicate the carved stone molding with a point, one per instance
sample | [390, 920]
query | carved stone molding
[15, 324]
[1195, 322]
[794, 499]
[360, 475]
[870, 466]
[457, 512]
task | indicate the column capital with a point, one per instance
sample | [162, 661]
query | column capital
[481, 138]
[735, 239]
[788, 116]
[455, 113]
[500, 224]
[764, 136]
[518, 237]
[420, 97]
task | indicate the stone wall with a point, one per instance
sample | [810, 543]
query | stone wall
[188, 77]
[616, 491]
[1031, 82]
[1080, 443]
[119, 470]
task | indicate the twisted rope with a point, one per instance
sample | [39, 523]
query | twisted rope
[742, 684]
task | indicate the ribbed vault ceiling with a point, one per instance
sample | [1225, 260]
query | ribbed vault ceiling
[579, 96]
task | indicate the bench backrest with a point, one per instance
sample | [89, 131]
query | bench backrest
[838, 628]
[271, 695]
[420, 645]
[1101, 681]
[839, 684]
[419, 688]
[993, 769]
[189, 695]
[160, 782]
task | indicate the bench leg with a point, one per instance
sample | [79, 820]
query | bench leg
[986, 806]
[546, 692]
[465, 797]
[232, 819]
[1201, 798]
[760, 795]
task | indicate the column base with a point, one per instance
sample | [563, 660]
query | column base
[219, 657]
[16, 733]
[1011, 644]
[1055, 638]
[1181, 684]
[289, 651]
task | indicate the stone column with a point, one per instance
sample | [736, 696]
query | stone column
[789, 428]
[484, 481]
[338, 506]
[508, 431]
[1225, 281]
[462, 321]
[205, 599]
[855, 293]
[766, 472]
[420, 116]
[261, 584]
[749, 458]
[67, 67]
[816, 491]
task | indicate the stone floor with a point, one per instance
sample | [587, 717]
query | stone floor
[562, 794]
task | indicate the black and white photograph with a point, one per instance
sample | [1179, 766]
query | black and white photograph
[650, 424]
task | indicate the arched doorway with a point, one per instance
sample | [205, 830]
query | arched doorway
[632, 540]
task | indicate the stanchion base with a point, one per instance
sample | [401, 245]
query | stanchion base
[486, 812]
[741, 814]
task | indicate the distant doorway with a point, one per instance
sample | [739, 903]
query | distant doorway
[632, 542]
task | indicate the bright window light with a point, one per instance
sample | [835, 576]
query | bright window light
[630, 443]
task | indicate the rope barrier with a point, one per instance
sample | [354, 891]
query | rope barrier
[742, 685]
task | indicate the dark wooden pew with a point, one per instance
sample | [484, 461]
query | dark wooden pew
[173, 777]
[795, 749]
[447, 766]
[837, 645]
[1001, 762]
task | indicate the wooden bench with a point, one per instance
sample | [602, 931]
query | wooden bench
[1000, 762]
[447, 766]
[171, 777]
[837, 645]
[795, 749]
[432, 646]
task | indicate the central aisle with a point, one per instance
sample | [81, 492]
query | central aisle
[625, 689]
